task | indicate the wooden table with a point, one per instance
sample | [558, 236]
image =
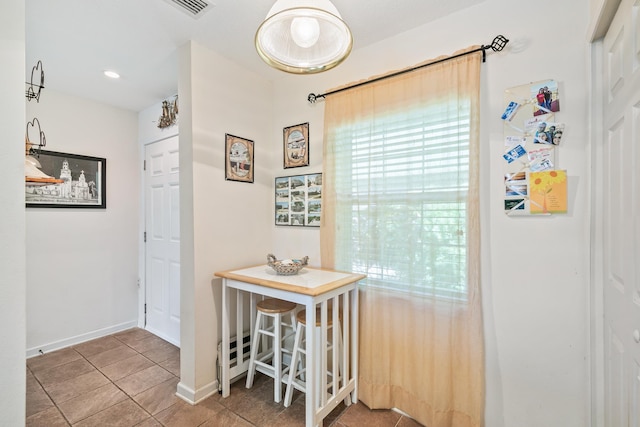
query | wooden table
[315, 289]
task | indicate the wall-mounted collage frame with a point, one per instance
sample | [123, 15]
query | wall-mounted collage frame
[296, 146]
[84, 181]
[298, 200]
[238, 159]
[533, 182]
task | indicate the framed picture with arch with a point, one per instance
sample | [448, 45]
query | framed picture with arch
[296, 146]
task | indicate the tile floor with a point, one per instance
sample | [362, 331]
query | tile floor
[129, 379]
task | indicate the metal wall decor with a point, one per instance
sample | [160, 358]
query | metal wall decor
[169, 113]
[34, 129]
[35, 86]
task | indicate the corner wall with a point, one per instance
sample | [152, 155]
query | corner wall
[82, 276]
[12, 226]
[535, 269]
[223, 224]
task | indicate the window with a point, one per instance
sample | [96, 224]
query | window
[401, 189]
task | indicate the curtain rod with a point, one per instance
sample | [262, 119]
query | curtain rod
[498, 43]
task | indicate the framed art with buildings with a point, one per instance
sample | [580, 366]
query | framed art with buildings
[296, 146]
[238, 159]
[83, 182]
[298, 200]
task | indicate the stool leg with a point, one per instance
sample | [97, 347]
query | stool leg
[293, 368]
[277, 358]
[254, 352]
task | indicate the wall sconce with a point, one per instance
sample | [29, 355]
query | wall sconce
[169, 113]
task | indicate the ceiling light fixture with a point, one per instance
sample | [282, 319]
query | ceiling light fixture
[303, 36]
[111, 74]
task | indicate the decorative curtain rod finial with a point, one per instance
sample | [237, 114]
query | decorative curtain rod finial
[499, 43]
[312, 98]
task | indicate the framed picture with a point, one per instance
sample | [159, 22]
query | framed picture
[299, 200]
[239, 159]
[83, 185]
[296, 146]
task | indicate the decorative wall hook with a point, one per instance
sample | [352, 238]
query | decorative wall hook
[169, 113]
[33, 87]
[34, 125]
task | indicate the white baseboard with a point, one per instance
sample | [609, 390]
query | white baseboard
[194, 397]
[68, 342]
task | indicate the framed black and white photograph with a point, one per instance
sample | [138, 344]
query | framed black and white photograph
[238, 159]
[81, 182]
[299, 200]
[296, 146]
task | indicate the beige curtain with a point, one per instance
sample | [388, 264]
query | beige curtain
[421, 354]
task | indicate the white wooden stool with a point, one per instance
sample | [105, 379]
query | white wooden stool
[274, 309]
[295, 377]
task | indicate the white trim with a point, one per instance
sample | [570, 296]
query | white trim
[596, 294]
[601, 20]
[68, 342]
[195, 397]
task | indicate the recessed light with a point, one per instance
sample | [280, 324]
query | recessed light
[111, 74]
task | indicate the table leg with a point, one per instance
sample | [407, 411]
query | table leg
[311, 398]
[225, 340]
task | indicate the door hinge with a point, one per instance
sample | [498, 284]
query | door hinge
[144, 165]
[145, 237]
[145, 314]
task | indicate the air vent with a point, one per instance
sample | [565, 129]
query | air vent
[193, 8]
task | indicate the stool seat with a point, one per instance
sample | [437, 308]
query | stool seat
[301, 317]
[275, 306]
[266, 358]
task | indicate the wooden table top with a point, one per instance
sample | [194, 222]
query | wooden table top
[308, 281]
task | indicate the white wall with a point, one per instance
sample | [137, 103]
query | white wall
[223, 224]
[12, 224]
[82, 276]
[535, 269]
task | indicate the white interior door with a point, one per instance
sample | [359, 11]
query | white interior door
[162, 234]
[620, 183]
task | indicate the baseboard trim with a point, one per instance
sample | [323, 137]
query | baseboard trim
[194, 397]
[68, 342]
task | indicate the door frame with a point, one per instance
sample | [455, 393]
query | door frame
[597, 30]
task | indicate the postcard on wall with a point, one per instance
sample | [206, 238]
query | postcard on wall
[298, 200]
[541, 159]
[546, 97]
[548, 192]
[514, 154]
[510, 111]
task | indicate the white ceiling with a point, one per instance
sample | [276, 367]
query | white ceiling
[77, 40]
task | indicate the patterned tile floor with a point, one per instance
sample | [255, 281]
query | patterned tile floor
[130, 378]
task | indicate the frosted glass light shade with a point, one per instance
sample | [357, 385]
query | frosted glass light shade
[303, 36]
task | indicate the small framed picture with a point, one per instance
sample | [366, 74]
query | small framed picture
[296, 146]
[238, 159]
